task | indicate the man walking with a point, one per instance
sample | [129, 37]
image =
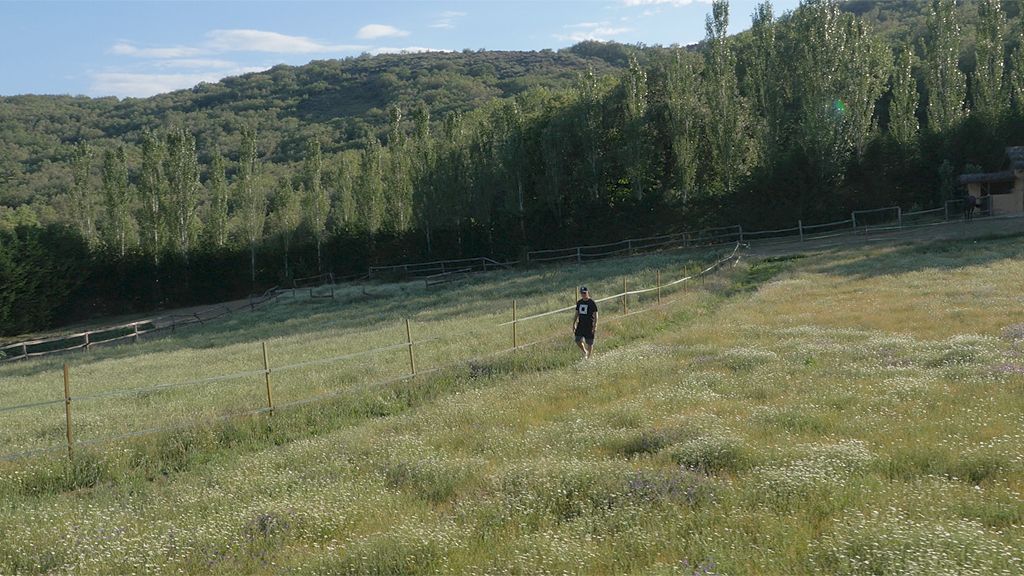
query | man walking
[584, 323]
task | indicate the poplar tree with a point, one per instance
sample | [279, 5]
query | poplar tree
[285, 216]
[684, 111]
[903, 108]
[764, 80]
[453, 175]
[945, 81]
[182, 169]
[252, 199]
[513, 160]
[217, 217]
[818, 84]
[424, 168]
[553, 152]
[370, 192]
[991, 98]
[725, 118]
[152, 191]
[343, 178]
[636, 134]
[591, 110]
[316, 203]
[83, 195]
[1017, 76]
[116, 197]
[398, 189]
[866, 67]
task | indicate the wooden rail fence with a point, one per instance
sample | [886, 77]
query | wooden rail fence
[266, 370]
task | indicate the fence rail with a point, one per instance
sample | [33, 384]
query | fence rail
[133, 331]
[446, 270]
[951, 211]
[481, 264]
[409, 344]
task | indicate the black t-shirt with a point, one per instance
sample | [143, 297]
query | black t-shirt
[587, 310]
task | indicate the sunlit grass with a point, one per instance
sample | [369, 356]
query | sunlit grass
[835, 420]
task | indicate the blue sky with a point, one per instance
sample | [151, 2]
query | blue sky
[140, 48]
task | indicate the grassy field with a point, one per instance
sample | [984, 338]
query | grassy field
[856, 411]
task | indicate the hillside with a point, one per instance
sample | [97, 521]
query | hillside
[851, 411]
[337, 100]
[230, 188]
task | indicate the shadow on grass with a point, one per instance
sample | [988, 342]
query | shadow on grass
[940, 255]
[358, 308]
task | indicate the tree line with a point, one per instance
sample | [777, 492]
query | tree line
[807, 116]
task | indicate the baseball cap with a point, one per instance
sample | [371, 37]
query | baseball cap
[583, 289]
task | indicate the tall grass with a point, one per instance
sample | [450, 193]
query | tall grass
[770, 424]
[124, 390]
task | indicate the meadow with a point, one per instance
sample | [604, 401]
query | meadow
[853, 411]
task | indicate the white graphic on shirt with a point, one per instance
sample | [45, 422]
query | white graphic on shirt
[583, 308]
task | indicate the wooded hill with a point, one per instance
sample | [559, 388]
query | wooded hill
[337, 101]
[212, 192]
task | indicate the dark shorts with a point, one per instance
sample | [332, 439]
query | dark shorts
[589, 338]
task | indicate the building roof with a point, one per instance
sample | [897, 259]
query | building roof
[987, 177]
[1015, 155]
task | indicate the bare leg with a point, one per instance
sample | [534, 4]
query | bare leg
[583, 347]
[589, 349]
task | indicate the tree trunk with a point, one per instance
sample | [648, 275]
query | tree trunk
[252, 263]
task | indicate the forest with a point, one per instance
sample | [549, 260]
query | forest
[111, 206]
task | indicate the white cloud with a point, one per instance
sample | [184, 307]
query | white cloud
[261, 41]
[656, 2]
[591, 31]
[447, 19]
[219, 41]
[128, 49]
[372, 31]
[195, 63]
[131, 85]
[406, 50]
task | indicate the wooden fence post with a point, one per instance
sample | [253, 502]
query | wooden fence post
[136, 327]
[408, 339]
[266, 376]
[515, 341]
[800, 225]
[24, 351]
[87, 343]
[67, 409]
[625, 308]
[579, 256]
[659, 287]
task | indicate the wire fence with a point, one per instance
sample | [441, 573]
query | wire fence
[149, 328]
[861, 222]
[422, 269]
[438, 272]
[408, 346]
